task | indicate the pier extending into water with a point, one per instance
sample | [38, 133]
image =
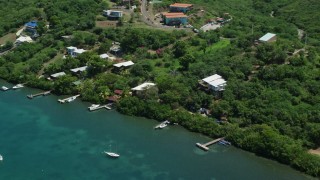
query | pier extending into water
[205, 146]
[30, 96]
[69, 99]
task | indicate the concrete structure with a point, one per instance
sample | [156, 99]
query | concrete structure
[74, 52]
[112, 14]
[124, 64]
[180, 7]
[23, 39]
[215, 82]
[143, 87]
[269, 37]
[173, 19]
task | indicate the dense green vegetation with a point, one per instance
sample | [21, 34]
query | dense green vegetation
[271, 105]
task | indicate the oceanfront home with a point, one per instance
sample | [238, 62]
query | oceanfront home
[269, 37]
[180, 7]
[214, 82]
[173, 19]
[74, 52]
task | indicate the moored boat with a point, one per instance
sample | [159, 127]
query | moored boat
[18, 86]
[4, 88]
[93, 107]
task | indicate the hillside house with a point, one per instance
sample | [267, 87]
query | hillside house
[173, 19]
[104, 56]
[31, 26]
[214, 82]
[143, 86]
[79, 69]
[56, 75]
[180, 7]
[269, 37]
[23, 39]
[124, 64]
[112, 14]
[74, 52]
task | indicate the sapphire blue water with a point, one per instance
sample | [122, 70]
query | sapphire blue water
[42, 139]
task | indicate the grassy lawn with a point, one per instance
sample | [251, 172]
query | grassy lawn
[9, 37]
[219, 45]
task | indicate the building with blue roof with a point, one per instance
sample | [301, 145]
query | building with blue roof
[31, 26]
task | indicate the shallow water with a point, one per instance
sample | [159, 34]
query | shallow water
[42, 139]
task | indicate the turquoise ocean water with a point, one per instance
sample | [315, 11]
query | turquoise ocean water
[42, 139]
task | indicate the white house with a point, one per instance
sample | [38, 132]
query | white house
[124, 64]
[56, 75]
[215, 82]
[104, 56]
[79, 69]
[269, 37]
[23, 39]
[112, 13]
[143, 86]
[74, 52]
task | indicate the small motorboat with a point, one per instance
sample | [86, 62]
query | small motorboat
[18, 86]
[112, 154]
[1, 158]
[71, 99]
[4, 88]
[93, 107]
[163, 125]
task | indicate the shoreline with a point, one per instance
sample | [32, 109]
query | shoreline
[183, 126]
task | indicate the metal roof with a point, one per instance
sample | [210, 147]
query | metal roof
[58, 74]
[143, 86]
[217, 82]
[181, 5]
[104, 56]
[125, 64]
[267, 37]
[79, 69]
[211, 78]
[32, 24]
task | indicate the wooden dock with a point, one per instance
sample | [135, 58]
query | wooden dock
[205, 146]
[31, 96]
[69, 99]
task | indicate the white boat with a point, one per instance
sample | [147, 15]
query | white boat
[93, 107]
[112, 154]
[18, 86]
[1, 158]
[3, 88]
[163, 125]
[71, 99]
